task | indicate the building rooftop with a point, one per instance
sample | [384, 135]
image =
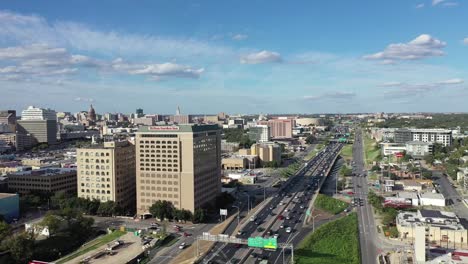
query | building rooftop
[431, 195]
[43, 172]
[408, 195]
[419, 143]
[5, 195]
[177, 128]
[437, 214]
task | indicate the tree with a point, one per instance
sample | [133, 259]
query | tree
[21, 247]
[178, 215]
[162, 210]
[310, 139]
[52, 222]
[429, 159]
[5, 231]
[375, 168]
[186, 215]
[198, 216]
[389, 216]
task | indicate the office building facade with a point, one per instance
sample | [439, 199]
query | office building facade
[49, 181]
[441, 136]
[41, 131]
[107, 173]
[279, 128]
[260, 133]
[178, 163]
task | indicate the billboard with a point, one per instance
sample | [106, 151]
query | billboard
[163, 128]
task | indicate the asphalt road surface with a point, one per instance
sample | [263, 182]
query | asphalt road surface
[289, 202]
[367, 228]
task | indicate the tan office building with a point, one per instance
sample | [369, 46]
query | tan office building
[107, 173]
[43, 180]
[178, 163]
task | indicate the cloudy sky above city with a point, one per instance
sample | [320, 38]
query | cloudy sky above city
[235, 56]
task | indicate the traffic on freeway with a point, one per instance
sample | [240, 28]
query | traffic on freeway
[282, 217]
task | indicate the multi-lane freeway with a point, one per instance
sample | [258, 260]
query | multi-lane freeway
[281, 217]
[367, 229]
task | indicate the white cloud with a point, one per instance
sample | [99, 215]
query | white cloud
[424, 46]
[421, 89]
[157, 71]
[331, 96]
[420, 5]
[261, 57]
[240, 37]
[436, 2]
[30, 29]
[40, 60]
[451, 81]
[465, 41]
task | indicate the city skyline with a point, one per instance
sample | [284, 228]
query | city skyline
[243, 57]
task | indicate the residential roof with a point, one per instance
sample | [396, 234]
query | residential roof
[5, 195]
[431, 195]
[408, 195]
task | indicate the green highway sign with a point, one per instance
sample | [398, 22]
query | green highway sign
[308, 212]
[260, 242]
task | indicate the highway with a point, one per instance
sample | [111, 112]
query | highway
[367, 228]
[291, 202]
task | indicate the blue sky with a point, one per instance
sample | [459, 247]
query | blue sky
[235, 56]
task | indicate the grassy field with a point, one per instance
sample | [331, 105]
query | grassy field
[371, 149]
[92, 245]
[334, 242]
[329, 204]
[314, 152]
[347, 152]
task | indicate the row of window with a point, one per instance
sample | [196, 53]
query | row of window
[152, 201]
[96, 179]
[96, 154]
[158, 151]
[97, 191]
[102, 198]
[158, 182]
[97, 160]
[159, 169]
[170, 195]
[157, 142]
[97, 185]
[158, 175]
[102, 173]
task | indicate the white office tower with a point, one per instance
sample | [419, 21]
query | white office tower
[35, 113]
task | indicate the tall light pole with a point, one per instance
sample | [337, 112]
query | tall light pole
[238, 214]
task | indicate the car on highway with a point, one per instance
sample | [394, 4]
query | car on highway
[280, 217]
[187, 234]
[260, 229]
[240, 232]
[182, 246]
[288, 229]
[282, 226]
[276, 235]
[302, 207]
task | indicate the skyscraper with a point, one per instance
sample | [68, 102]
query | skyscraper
[178, 163]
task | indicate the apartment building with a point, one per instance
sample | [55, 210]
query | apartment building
[279, 128]
[441, 136]
[48, 180]
[107, 173]
[178, 163]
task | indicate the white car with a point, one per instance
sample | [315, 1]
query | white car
[288, 229]
[182, 246]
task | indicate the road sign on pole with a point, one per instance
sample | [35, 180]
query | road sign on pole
[222, 211]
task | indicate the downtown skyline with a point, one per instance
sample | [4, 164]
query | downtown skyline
[243, 57]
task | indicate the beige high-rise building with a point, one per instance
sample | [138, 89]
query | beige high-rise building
[178, 163]
[107, 173]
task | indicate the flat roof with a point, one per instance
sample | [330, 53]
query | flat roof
[437, 214]
[408, 195]
[432, 195]
[5, 195]
[43, 172]
[177, 128]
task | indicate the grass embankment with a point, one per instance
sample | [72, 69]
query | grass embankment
[314, 152]
[92, 245]
[347, 152]
[334, 242]
[290, 170]
[329, 204]
[371, 149]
